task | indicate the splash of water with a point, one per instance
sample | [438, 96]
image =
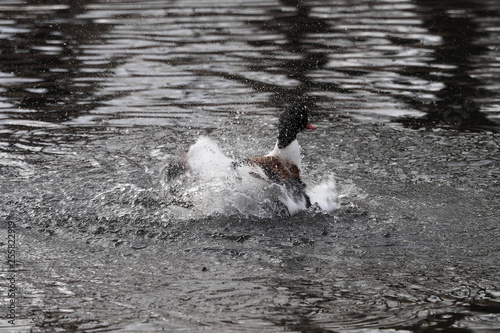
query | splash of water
[207, 182]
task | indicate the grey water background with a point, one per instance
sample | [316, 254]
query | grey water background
[96, 97]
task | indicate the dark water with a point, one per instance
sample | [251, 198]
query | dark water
[96, 98]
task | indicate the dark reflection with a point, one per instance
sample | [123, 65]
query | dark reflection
[298, 54]
[458, 103]
[51, 75]
[295, 26]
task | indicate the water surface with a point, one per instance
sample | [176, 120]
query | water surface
[97, 98]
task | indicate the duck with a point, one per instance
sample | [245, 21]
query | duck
[279, 169]
[283, 165]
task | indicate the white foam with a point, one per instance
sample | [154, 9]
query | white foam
[214, 184]
[207, 160]
[325, 194]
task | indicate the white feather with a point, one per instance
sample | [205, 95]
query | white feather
[290, 153]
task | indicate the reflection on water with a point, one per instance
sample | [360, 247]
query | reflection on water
[293, 56]
[414, 244]
[460, 55]
[163, 63]
[46, 74]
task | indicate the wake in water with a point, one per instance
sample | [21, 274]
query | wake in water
[207, 182]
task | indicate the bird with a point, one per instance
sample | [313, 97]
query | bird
[279, 169]
[283, 165]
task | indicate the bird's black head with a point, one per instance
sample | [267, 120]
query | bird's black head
[291, 122]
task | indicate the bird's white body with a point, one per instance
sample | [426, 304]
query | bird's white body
[290, 153]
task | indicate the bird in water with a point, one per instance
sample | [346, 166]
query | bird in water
[283, 165]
